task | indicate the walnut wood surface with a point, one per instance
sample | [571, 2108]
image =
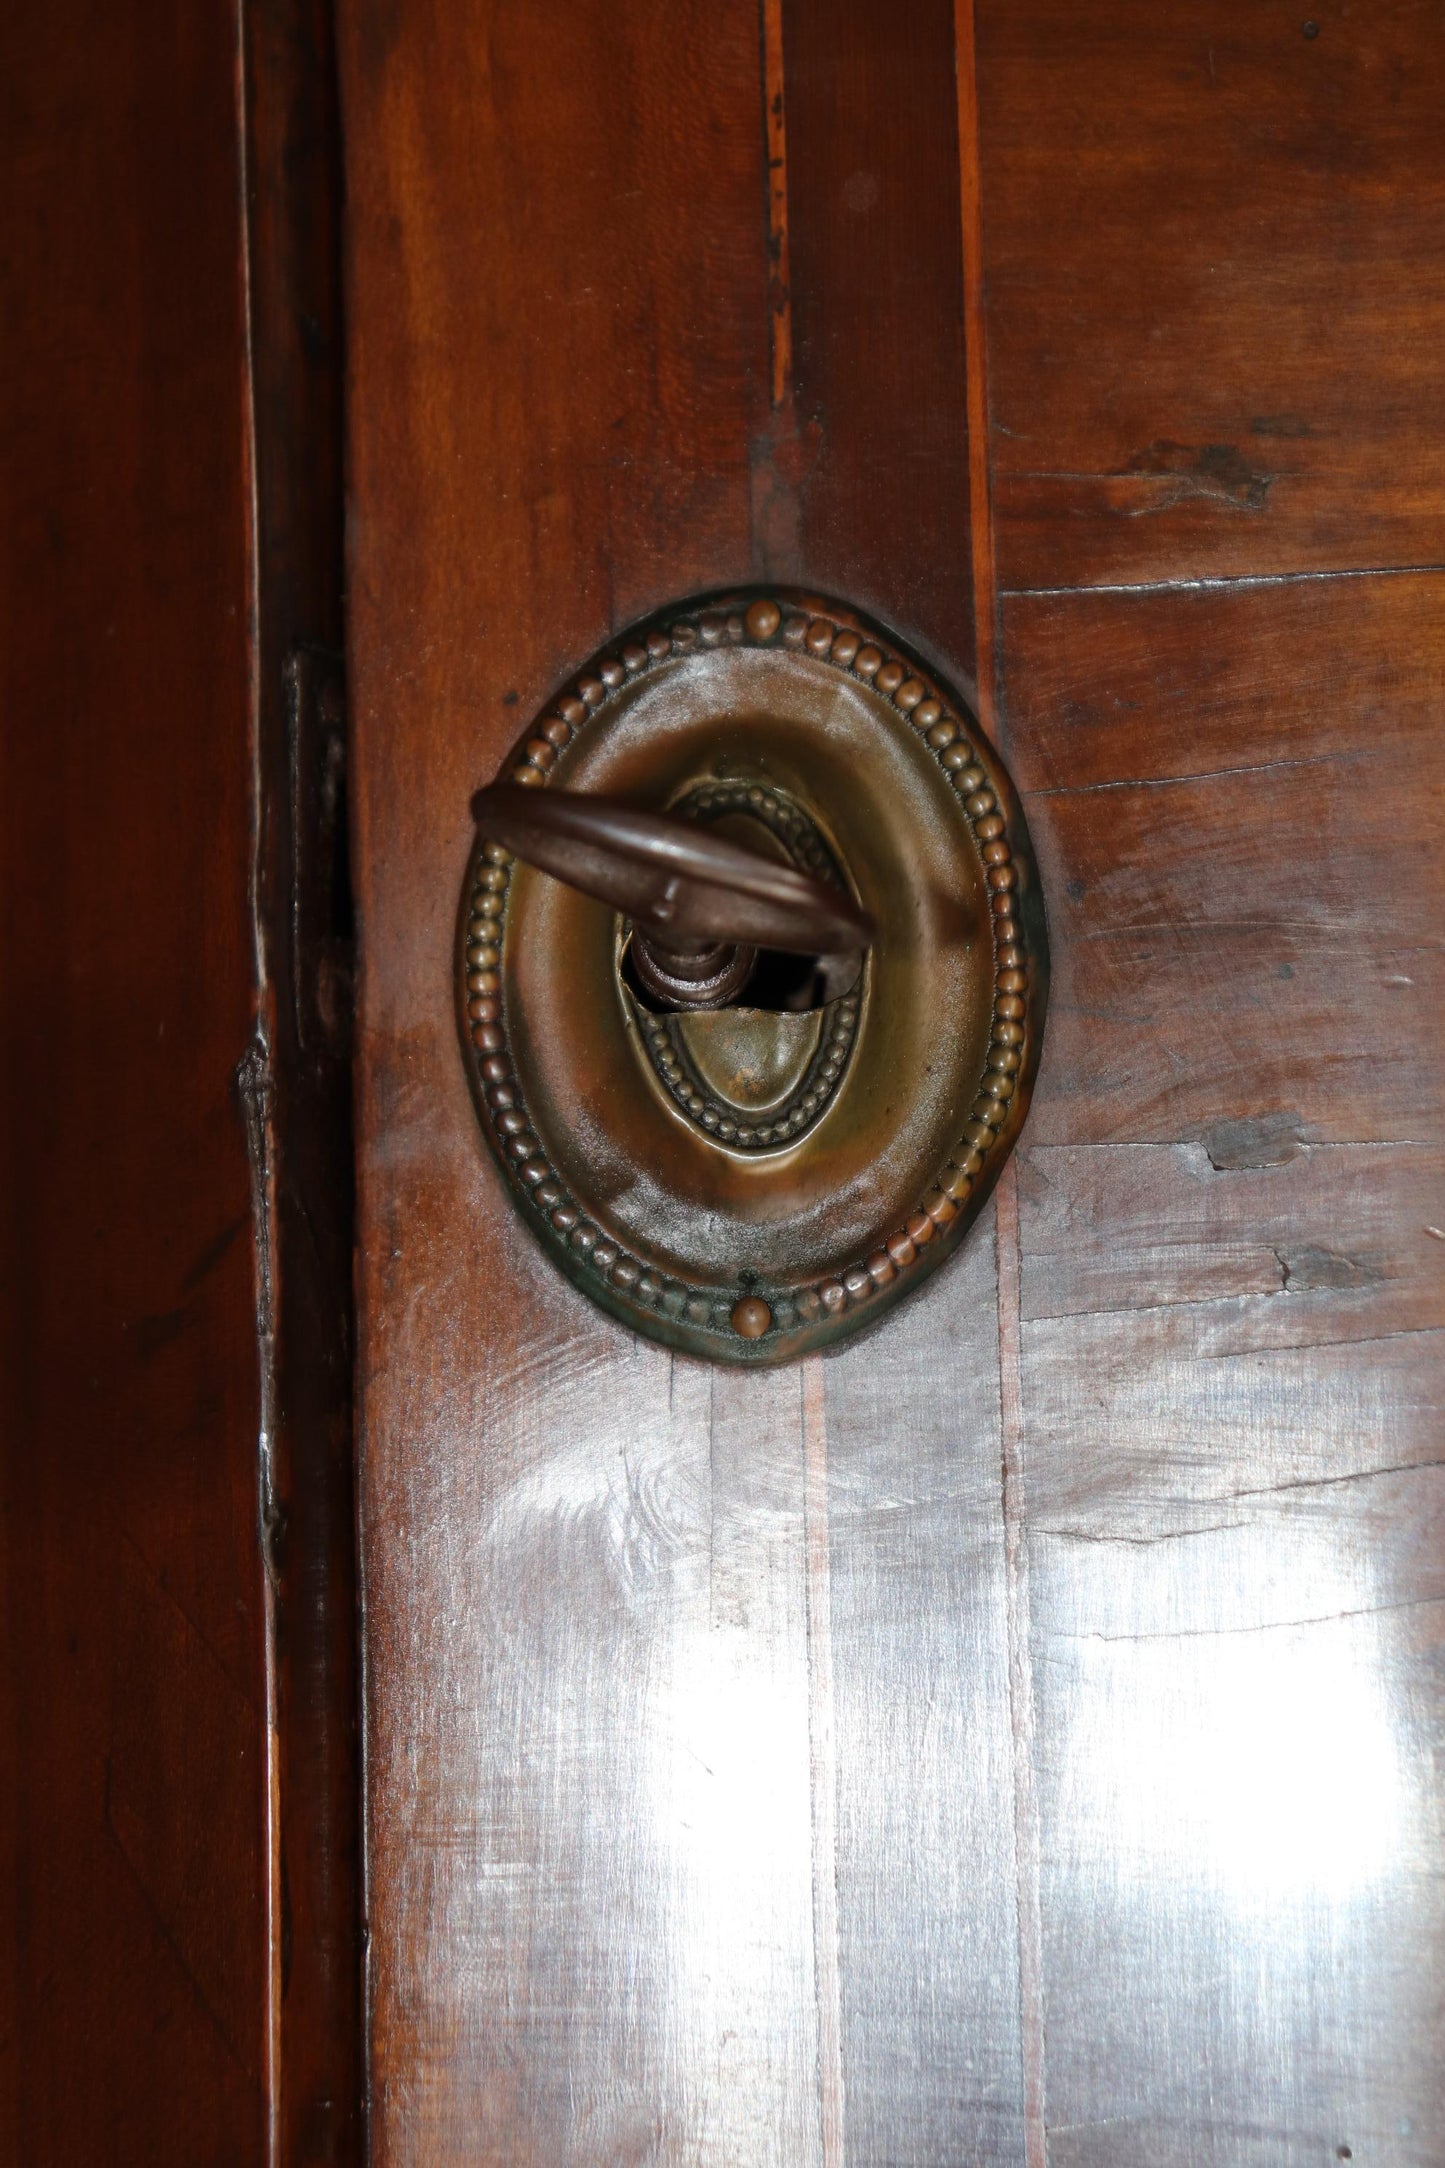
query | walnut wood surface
[880, 498]
[1005, 1741]
[180, 1821]
[1231, 1216]
[134, 1994]
[635, 1889]
[1214, 299]
[586, 1651]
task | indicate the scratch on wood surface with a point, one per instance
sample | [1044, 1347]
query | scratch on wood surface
[1020, 1664]
[824, 1764]
[1327, 1482]
[1142, 1543]
[1214, 583]
[1312, 1347]
[1261, 1626]
[1194, 775]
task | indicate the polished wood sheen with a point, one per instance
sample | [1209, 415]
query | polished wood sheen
[1007, 1739]
[134, 1862]
[1209, 325]
[179, 1821]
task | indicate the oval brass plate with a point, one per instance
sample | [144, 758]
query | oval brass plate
[751, 1185]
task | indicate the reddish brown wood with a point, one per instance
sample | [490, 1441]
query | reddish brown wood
[1231, 1283]
[1233, 1298]
[135, 1982]
[559, 361]
[882, 492]
[641, 1640]
[1006, 1741]
[1214, 296]
[1231, 792]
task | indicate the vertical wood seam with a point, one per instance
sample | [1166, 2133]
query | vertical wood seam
[1006, 1223]
[775, 141]
[1020, 1670]
[975, 347]
[823, 1763]
[253, 1084]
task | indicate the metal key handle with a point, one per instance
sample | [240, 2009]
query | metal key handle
[701, 906]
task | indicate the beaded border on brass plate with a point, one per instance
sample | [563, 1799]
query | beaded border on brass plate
[757, 1312]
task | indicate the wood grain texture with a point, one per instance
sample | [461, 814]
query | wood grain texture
[589, 1795]
[1006, 1740]
[926, 1892]
[926, 1885]
[1234, 799]
[636, 1656]
[1214, 292]
[882, 496]
[1232, 1254]
[135, 1983]
[1232, 1318]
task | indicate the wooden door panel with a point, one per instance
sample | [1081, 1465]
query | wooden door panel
[1242, 864]
[1214, 299]
[586, 1662]
[1002, 1740]
[919, 1605]
[879, 492]
[1233, 1295]
[625, 1810]
[136, 1876]
[1208, 329]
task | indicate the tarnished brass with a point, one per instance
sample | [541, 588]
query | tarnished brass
[750, 1182]
[699, 903]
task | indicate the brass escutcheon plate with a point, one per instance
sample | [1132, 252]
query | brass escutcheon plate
[749, 1185]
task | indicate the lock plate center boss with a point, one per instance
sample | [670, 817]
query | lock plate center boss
[753, 969]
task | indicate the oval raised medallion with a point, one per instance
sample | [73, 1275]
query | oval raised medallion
[749, 1182]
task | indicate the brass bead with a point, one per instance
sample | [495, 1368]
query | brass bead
[751, 1317]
